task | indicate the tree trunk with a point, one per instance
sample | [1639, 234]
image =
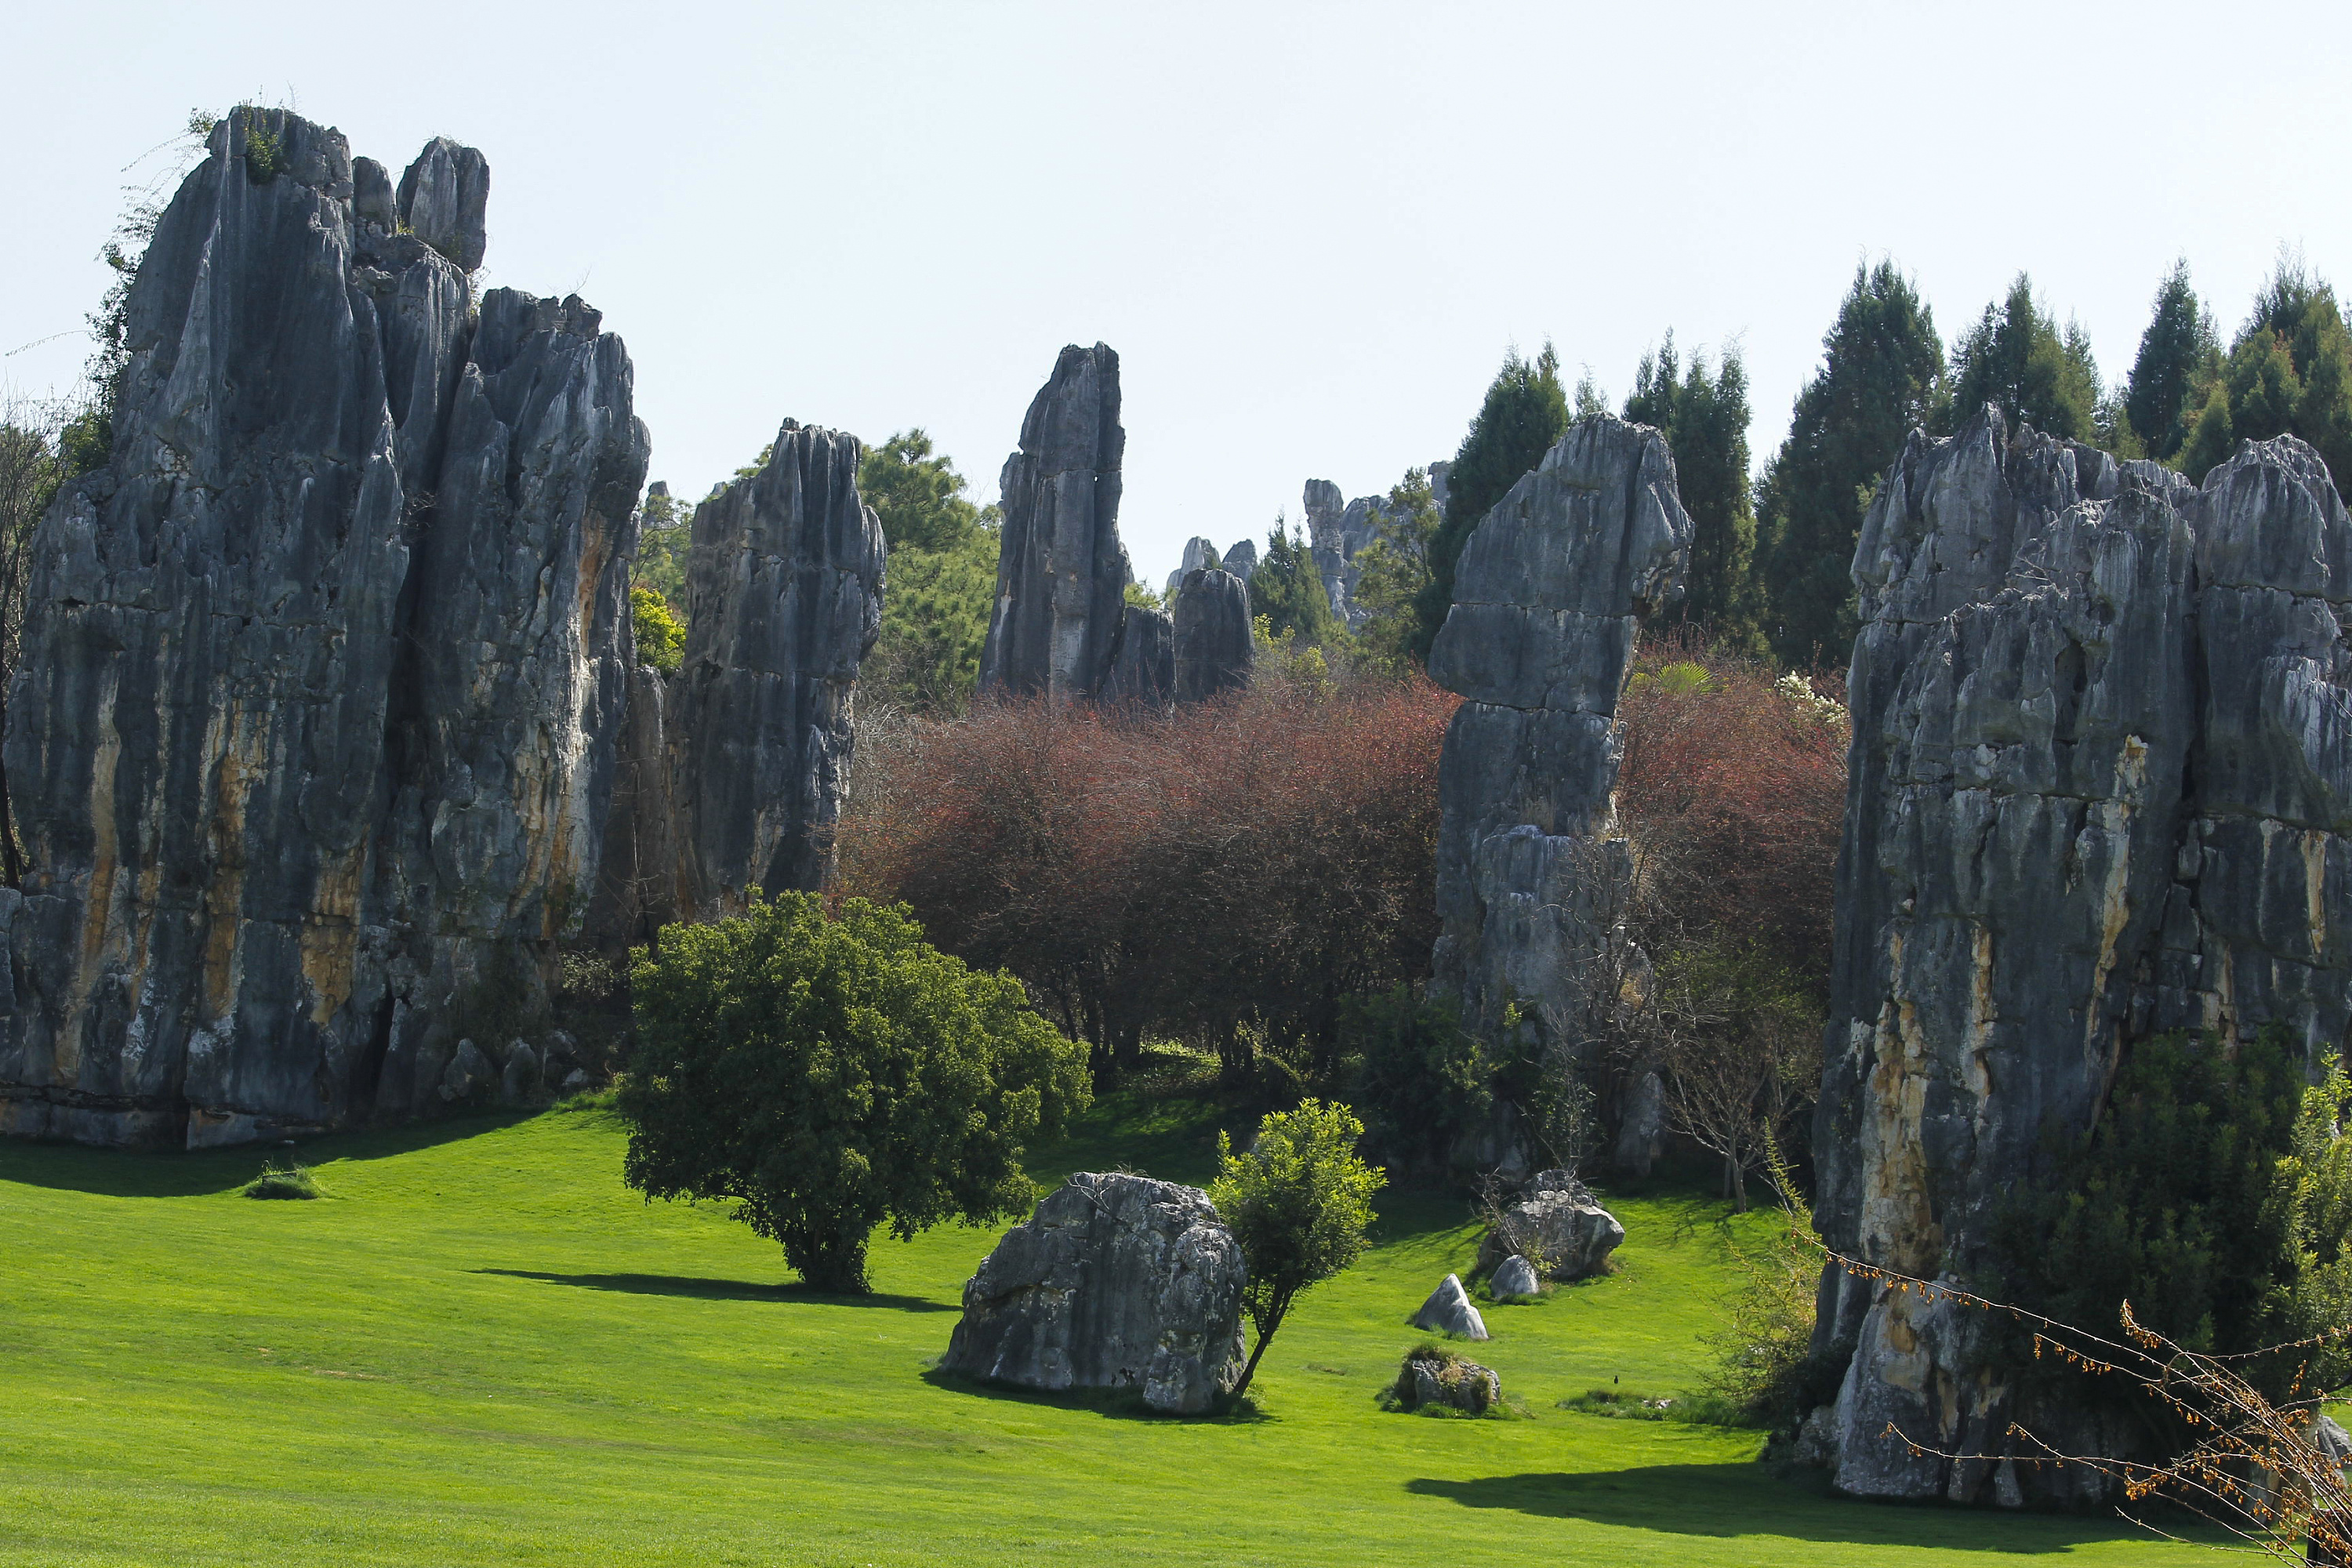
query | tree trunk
[834, 1266]
[1265, 1338]
[1738, 1172]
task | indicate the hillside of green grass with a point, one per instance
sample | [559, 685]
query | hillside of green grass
[477, 1348]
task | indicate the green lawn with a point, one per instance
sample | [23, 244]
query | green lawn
[480, 1348]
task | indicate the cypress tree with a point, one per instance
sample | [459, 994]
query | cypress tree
[2289, 373]
[1704, 419]
[2178, 353]
[1287, 591]
[1881, 376]
[1525, 411]
[2016, 357]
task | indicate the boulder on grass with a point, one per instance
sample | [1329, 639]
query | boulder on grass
[1557, 1218]
[1448, 1312]
[1116, 1282]
[1433, 1376]
[1515, 1276]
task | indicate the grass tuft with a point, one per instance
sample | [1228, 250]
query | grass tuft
[286, 1181]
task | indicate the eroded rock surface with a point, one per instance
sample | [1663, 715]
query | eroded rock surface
[312, 735]
[1449, 1311]
[1145, 670]
[2100, 788]
[1557, 1219]
[1214, 649]
[1061, 572]
[1531, 868]
[1436, 1377]
[1116, 1282]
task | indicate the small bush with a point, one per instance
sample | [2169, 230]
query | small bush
[1454, 1373]
[286, 1181]
[661, 640]
[1631, 1405]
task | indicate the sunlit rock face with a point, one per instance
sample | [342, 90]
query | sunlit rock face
[2100, 780]
[1551, 587]
[1061, 573]
[312, 739]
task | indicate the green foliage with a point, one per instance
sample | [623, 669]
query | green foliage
[1299, 1202]
[277, 1181]
[1704, 419]
[265, 160]
[664, 530]
[1287, 591]
[2016, 356]
[1881, 376]
[661, 641]
[2214, 1195]
[1142, 597]
[1420, 1081]
[1766, 1371]
[830, 1075]
[2289, 373]
[2180, 351]
[934, 623]
[917, 494]
[1395, 570]
[1525, 412]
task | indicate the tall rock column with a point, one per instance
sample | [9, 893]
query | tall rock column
[784, 580]
[1061, 572]
[2098, 790]
[1214, 649]
[312, 732]
[1552, 584]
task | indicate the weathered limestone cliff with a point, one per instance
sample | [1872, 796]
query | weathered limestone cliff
[2100, 780]
[1552, 584]
[1214, 649]
[1145, 670]
[312, 739]
[1061, 573]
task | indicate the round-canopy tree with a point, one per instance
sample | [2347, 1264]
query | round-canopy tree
[1299, 1201]
[828, 1075]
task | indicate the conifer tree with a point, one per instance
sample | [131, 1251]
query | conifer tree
[2016, 357]
[2178, 353]
[2289, 373]
[1881, 376]
[1704, 419]
[1525, 411]
[1287, 591]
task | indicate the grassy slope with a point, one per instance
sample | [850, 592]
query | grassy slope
[481, 1350]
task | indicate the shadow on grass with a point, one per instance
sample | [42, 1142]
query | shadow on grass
[177, 1174]
[1727, 1500]
[721, 1289]
[1118, 1404]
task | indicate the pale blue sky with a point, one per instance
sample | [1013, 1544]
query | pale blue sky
[1310, 231]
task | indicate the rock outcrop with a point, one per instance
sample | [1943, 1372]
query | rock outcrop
[1061, 571]
[1449, 1311]
[1116, 1282]
[1145, 670]
[2100, 789]
[312, 735]
[1531, 868]
[1557, 1219]
[1432, 1377]
[1241, 559]
[1198, 552]
[1515, 1276]
[1214, 649]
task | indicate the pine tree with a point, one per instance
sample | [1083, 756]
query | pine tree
[1704, 419]
[1287, 591]
[2178, 353]
[1881, 376]
[2015, 356]
[1525, 411]
[2289, 373]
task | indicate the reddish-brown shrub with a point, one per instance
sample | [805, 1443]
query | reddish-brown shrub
[1221, 873]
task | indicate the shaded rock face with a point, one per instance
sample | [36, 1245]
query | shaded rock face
[1427, 1379]
[1145, 670]
[1215, 650]
[1061, 571]
[1449, 1311]
[1531, 868]
[1515, 1276]
[2099, 790]
[1198, 552]
[1558, 1220]
[444, 201]
[312, 739]
[1116, 1282]
[1241, 559]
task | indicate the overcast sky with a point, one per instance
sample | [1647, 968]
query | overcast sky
[1310, 231]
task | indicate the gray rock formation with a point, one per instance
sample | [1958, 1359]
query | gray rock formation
[445, 200]
[1434, 1378]
[1641, 1124]
[1531, 868]
[1145, 670]
[1555, 1218]
[312, 735]
[1338, 533]
[1448, 1312]
[2099, 790]
[1061, 571]
[1515, 1276]
[1214, 649]
[1240, 559]
[1116, 1282]
[1198, 552]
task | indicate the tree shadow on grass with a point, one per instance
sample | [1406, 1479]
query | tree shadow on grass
[186, 1174]
[721, 1289]
[1727, 1500]
[1115, 1403]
